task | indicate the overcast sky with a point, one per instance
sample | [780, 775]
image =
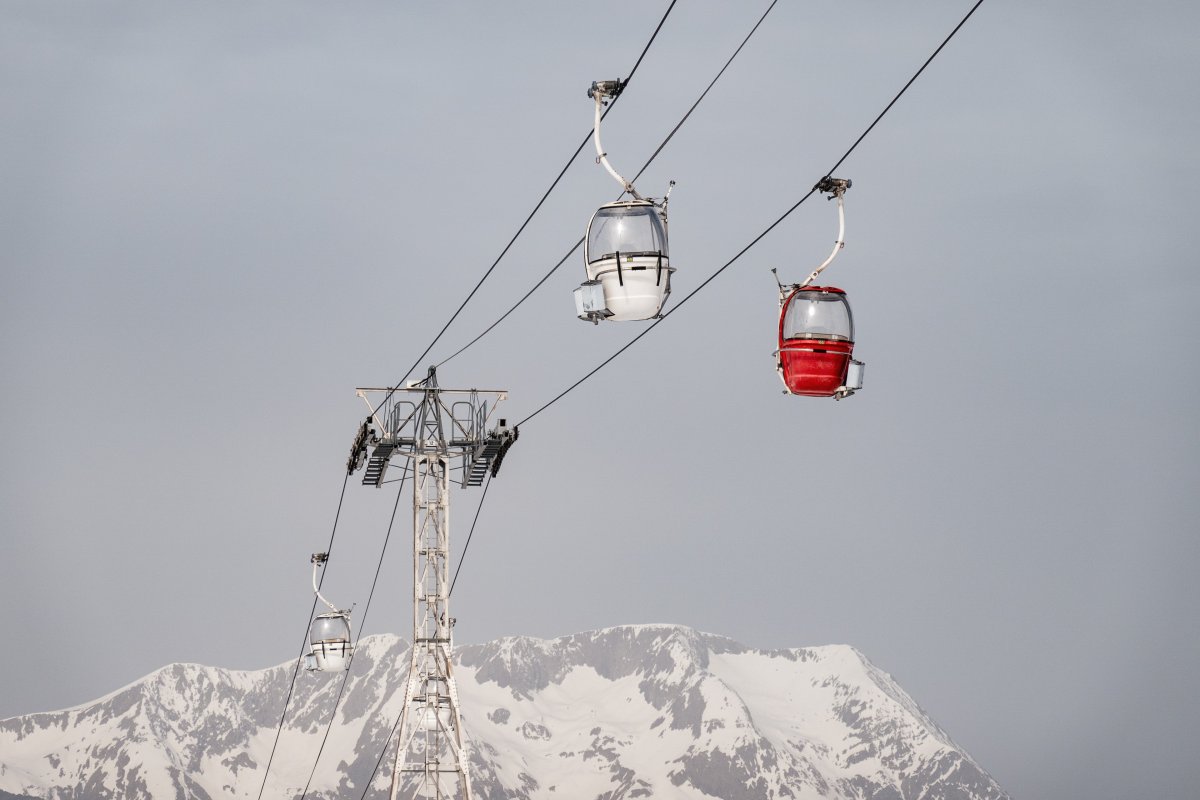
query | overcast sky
[218, 220]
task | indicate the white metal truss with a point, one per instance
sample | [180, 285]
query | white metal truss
[416, 423]
[430, 756]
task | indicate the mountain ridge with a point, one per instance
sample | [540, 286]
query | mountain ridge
[626, 711]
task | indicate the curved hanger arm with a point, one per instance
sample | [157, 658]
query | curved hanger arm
[837, 246]
[317, 560]
[599, 91]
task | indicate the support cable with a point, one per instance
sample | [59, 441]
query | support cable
[645, 166]
[354, 650]
[463, 555]
[295, 672]
[706, 90]
[516, 305]
[567, 166]
[382, 753]
[769, 228]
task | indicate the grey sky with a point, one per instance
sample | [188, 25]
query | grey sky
[218, 220]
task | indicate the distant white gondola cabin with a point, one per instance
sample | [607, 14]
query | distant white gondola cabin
[330, 639]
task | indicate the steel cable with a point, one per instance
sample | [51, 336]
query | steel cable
[760, 236]
[462, 556]
[645, 166]
[361, 624]
[295, 672]
[562, 172]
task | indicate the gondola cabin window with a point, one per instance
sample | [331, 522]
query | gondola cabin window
[634, 230]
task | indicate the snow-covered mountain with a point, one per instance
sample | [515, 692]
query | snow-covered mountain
[637, 711]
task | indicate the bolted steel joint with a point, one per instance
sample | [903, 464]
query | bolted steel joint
[605, 89]
[834, 187]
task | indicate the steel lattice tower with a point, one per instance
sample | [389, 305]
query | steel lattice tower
[417, 424]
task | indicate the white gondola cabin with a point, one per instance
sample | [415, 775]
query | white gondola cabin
[330, 640]
[626, 255]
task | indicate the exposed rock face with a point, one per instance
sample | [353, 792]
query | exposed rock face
[636, 711]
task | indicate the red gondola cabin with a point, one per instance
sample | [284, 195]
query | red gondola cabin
[816, 343]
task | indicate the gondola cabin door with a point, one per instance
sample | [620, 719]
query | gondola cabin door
[816, 343]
